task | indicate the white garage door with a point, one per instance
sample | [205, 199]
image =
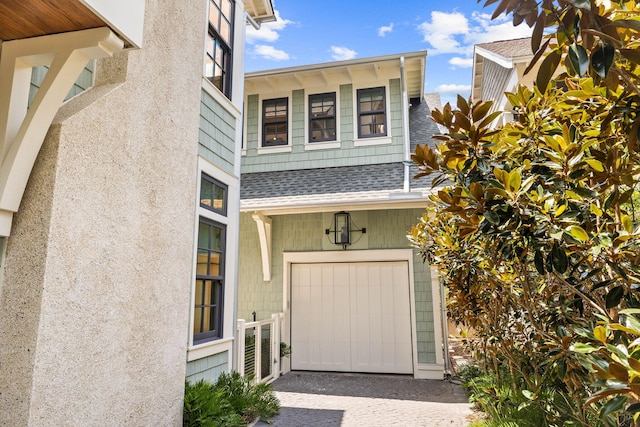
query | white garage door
[351, 317]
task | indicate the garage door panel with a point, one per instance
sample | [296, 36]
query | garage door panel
[353, 317]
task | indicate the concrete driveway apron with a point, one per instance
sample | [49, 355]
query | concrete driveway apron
[338, 399]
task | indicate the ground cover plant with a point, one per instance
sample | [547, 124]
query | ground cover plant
[536, 227]
[232, 401]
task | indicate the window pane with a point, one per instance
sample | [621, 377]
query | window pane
[213, 194]
[225, 30]
[202, 263]
[226, 8]
[214, 17]
[216, 234]
[214, 265]
[203, 236]
[219, 198]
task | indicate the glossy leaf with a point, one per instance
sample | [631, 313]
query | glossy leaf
[547, 69]
[602, 59]
[614, 296]
[579, 59]
[579, 233]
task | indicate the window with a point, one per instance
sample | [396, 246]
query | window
[209, 290]
[274, 122]
[219, 40]
[213, 195]
[371, 113]
[322, 117]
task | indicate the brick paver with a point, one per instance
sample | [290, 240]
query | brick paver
[331, 399]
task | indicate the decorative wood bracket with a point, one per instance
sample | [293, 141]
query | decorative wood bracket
[264, 233]
[23, 127]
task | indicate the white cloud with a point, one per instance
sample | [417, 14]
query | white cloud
[441, 32]
[453, 89]
[382, 31]
[453, 32]
[269, 52]
[485, 30]
[269, 31]
[340, 53]
[457, 61]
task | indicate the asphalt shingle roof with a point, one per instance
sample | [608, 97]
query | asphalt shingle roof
[509, 48]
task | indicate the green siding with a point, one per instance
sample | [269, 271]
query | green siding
[84, 82]
[207, 368]
[252, 122]
[305, 232]
[217, 133]
[348, 154]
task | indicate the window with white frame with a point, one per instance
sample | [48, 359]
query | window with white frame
[372, 115]
[208, 307]
[219, 45]
[322, 117]
[275, 120]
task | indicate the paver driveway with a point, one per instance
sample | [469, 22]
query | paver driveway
[363, 400]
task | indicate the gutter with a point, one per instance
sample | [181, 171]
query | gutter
[405, 125]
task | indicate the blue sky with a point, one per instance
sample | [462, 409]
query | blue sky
[310, 32]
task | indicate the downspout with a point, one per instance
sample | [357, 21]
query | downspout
[445, 332]
[405, 125]
[252, 21]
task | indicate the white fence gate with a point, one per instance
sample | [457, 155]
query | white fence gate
[259, 348]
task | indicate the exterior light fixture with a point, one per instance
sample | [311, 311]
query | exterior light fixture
[343, 229]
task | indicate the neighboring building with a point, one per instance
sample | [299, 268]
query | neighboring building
[119, 207]
[327, 200]
[498, 67]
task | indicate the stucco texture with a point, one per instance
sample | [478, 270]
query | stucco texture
[94, 303]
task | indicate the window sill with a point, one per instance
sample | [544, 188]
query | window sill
[324, 145]
[218, 96]
[209, 348]
[363, 142]
[274, 150]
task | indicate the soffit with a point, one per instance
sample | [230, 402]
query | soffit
[260, 10]
[21, 19]
[341, 72]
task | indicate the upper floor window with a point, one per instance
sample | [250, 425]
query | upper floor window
[275, 119]
[371, 112]
[219, 42]
[322, 117]
[213, 195]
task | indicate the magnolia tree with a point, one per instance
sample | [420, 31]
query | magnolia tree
[534, 226]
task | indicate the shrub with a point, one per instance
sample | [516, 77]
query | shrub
[231, 401]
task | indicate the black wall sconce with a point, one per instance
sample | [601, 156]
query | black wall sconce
[343, 228]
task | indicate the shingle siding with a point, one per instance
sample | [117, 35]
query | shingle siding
[208, 368]
[347, 155]
[217, 133]
[84, 82]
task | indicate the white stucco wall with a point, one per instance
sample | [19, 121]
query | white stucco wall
[94, 301]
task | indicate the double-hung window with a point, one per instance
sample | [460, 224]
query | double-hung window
[322, 117]
[219, 44]
[275, 119]
[208, 309]
[372, 116]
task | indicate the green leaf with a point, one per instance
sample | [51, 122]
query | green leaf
[613, 405]
[633, 408]
[492, 217]
[547, 68]
[538, 260]
[583, 348]
[595, 165]
[579, 59]
[614, 296]
[602, 59]
[579, 233]
[559, 258]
